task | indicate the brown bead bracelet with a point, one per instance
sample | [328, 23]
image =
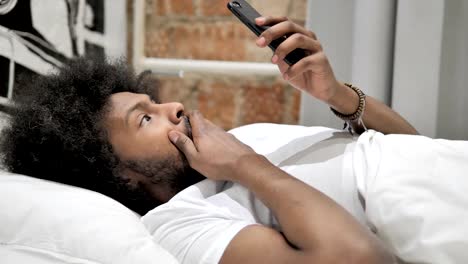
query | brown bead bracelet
[357, 115]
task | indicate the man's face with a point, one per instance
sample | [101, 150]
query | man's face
[138, 130]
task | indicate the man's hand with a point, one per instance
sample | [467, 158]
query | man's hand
[313, 73]
[309, 219]
[213, 152]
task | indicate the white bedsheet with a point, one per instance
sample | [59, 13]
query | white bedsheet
[416, 192]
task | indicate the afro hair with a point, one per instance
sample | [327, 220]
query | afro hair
[56, 132]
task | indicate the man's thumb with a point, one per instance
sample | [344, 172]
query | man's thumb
[183, 143]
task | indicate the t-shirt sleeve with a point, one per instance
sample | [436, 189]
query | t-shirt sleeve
[196, 230]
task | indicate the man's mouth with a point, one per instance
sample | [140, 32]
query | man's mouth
[188, 126]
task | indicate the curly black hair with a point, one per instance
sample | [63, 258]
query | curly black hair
[56, 131]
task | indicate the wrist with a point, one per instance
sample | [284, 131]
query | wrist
[249, 167]
[344, 99]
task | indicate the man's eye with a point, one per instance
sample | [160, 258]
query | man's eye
[145, 120]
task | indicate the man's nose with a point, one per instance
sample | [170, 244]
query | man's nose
[174, 111]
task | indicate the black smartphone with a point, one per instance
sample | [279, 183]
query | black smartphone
[247, 14]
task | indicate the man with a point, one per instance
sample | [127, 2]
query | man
[94, 125]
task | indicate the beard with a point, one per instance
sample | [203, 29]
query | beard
[174, 173]
[171, 174]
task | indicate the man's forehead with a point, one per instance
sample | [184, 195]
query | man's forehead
[124, 100]
[121, 102]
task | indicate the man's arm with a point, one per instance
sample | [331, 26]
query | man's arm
[314, 75]
[376, 115]
[315, 228]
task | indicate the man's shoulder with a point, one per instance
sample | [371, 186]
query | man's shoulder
[216, 198]
[198, 223]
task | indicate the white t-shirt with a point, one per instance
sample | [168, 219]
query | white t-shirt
[415, 191]
[198, 223]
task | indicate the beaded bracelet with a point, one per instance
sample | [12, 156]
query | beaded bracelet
[357, 115]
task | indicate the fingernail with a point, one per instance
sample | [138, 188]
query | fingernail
[260, 20]
[261, 41]
[173, 136]
[274, 59]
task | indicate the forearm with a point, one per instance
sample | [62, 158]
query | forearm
[376, 115]
[310, 220]
[320, 229]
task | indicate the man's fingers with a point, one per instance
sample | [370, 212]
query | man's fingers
[313, 63]
[184, 144]
[269, 20]
[282, 66]
[197, 121]
[296, 41]
[279, 30]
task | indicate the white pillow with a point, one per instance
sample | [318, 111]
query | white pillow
[47, 222]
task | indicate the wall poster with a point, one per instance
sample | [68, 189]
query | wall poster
[36, 36]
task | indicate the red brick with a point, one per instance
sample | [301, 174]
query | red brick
[263, 104]
[185, 41]
[225, 41]
[214, 8]
[161, 7]
[182, 7]
[216, 101]
[172, 89]
[205, 40]
[198, 41]
[157, 44]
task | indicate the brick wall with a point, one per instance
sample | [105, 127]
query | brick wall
[205, 29]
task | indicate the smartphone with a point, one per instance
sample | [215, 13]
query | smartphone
[247, 15]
